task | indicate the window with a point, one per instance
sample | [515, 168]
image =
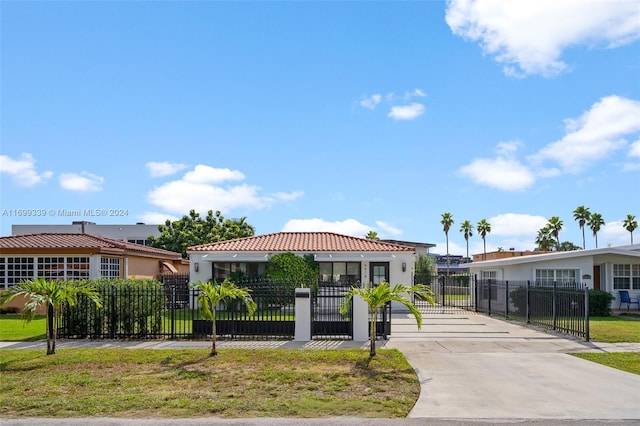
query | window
[15, 269]
[547, 277]
[110, 267]
[626, 276]
[222, 270]
[140, 242]
[51, 268]
[339, 272]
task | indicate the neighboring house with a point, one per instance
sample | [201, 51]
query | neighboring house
[610, 269]
[421, 248]
[69, 256]
[341, 258]
[458, 265]
[138, 233]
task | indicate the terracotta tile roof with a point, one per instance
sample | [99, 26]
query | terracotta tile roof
[308, 242]
[68, 241]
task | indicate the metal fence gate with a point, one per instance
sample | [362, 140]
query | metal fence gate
[453, 292]
[326, 320]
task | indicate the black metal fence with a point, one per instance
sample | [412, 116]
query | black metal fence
[448, 290]
[327, 322]
[152, 312]
[562, 307]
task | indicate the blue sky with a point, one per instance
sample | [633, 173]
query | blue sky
[324, 116]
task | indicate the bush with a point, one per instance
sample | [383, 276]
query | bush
[10, 310]
[600, 303]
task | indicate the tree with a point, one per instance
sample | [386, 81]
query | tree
[555, 225]
[544, 239]
[193, 230]
[426, 269]
[630, 224]
[52, 294]
[595, 223]
[582, 215]
[447, 221]
[295, 270]
[467, 228]
[212, 293]
[484, 228]
[568, 246]
[372, 235]
[378, 296]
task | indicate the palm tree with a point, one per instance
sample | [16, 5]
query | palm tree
[212, 293]
[447, 221]
[582, 215]
[484, 228]
[372, 235]
[378, 296]
[555, 225]
[595, 223]
[52, 294]
[544, 239]
[630, 224]
[467, 228]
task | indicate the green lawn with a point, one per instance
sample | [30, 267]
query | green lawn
[238, 383]
[615, 329]
[13, 328]
[625, 361]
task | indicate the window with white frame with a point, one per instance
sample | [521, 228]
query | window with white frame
[110, 267]
[489, 275]
[546, 277]
[15, 269]
[626, 276]
[51, 268]
[77, 267]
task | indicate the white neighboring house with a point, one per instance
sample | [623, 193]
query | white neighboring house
[610, 269]
[341, 258]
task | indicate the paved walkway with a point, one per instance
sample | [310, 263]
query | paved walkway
[472, 369]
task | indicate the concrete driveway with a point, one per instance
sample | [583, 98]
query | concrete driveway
[472, 366]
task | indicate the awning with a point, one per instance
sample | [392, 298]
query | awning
[170, 267]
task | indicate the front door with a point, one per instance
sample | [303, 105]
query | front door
[596, 277]
[379, 272]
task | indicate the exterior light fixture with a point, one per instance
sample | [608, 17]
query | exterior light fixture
[196, 266]
[404, 266]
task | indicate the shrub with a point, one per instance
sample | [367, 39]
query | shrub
[600, 303]
[10, 310]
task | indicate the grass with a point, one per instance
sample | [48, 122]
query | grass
[615, 329]
[238, 383]
[625, 361]
[13, 328]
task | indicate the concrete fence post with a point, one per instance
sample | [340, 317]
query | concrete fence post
[360, 319]
[303, 315]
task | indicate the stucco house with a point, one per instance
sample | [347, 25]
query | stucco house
[611, 269]
[69, 256]
[341, 258]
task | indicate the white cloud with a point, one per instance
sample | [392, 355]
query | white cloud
[415, 93]
[84, 181]
[387, 229]
[613, 234]
[371, 102]
[516, 225]
[594, 135]
[406, 112]
[164, 168]
[529, 37]
[346, 227]
[502, 173]
[202, 189]
[208, 174]
[157, 218]
[634, 156]
[23, 170]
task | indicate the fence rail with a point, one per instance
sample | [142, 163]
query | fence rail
[560, 306]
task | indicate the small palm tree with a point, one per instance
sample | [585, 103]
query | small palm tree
[378, 296]
[372, 235]
[544, 239]
[484, 228]
[555, 224]
[447, 221]
[212, 293]
[630, 224]
[582, 215]
[467, 228]
[52, 294]
[595, 223]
